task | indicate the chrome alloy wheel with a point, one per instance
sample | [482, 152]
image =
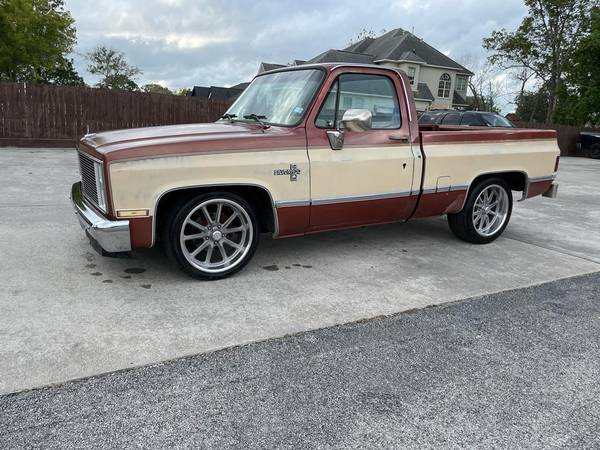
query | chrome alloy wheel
[490, 210]
[216, 235]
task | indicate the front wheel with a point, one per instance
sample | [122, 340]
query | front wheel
[595, 151]
[213, 235]
[486, 212]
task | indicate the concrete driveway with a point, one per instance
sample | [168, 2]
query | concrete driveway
[69, 313]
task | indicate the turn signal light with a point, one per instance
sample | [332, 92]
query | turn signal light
[133, 213]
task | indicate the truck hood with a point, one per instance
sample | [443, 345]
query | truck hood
[183, 139]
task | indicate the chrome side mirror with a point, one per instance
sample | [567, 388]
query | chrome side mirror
[357, 120]
[353, 120]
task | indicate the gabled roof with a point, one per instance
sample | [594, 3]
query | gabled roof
[265, 67]
[200, 91]
[423, 92]
[241, 86]
[215, 92]
[458, 100]
[341, 56]
[398, 45]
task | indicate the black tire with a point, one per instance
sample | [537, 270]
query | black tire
[595, 151]
[181, 251]
[462, 224]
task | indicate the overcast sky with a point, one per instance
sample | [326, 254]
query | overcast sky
[181, 43]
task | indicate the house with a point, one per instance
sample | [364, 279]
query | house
[438, 82]
[219, 93]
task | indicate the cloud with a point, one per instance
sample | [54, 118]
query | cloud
[202, 42]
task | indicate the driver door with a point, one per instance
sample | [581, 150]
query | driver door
[370, 179]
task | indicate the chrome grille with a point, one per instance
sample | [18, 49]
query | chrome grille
[88, 178]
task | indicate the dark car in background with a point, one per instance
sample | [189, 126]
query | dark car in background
[464, 118]
[589, 144]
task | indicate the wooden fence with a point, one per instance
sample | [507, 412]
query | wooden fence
[568, 136]
[40, 115]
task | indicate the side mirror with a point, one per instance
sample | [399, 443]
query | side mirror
[357, 120]
[353, 120]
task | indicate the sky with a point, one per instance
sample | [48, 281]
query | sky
[182, 43]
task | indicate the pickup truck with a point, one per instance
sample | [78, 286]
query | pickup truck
[303, 150]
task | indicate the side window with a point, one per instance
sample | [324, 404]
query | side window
[362, 91]
[451, 119]
[472, 120]
[326, 117]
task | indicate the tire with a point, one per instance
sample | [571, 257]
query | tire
[595, 151]
[210, 247]
[479, 225]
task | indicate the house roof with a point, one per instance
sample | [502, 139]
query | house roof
[265, 67]
[401, 45]
[215, 92]
[458, 100]
[341, 56]
[423, 92]
[241, 86]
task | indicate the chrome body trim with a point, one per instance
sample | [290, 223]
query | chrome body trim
[359, 198]
[291, 203]
[112, 235]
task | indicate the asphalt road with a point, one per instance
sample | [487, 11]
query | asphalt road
[517, 369]
[68, 313]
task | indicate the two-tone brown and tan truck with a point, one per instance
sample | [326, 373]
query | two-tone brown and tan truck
[303, 150]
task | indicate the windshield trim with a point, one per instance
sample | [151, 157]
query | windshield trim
[309, 106]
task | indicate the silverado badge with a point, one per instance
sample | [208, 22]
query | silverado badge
[293, 172]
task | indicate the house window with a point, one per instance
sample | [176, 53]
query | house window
[412, 71]
[444, 86]
[461, 84]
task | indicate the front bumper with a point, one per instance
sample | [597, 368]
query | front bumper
[111, 236]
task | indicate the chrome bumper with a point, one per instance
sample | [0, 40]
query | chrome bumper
[552, 191]
[110, 235]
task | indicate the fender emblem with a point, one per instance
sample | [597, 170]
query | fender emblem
[293, 172]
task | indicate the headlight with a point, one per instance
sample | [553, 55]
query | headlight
[100, 188]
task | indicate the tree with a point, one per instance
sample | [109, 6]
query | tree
[114, 69]
[64, 74]
[156, 89]
[580, 98]
[544, 42]
[487, 86]
[532, 106]
[364, 33]
[183, 91]
[35, 36]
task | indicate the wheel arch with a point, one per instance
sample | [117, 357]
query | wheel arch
[517, 180]
[258, 196]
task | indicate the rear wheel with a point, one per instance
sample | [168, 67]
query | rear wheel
[213, 235]
[486, 213]
[595, 151]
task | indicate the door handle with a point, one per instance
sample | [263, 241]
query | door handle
[398, 137]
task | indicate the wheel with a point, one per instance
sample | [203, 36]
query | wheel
[213, 235]
[486, 212]
[595, 151]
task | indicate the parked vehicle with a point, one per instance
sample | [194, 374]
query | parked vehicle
[589, 144]
[303, 150]
[465, 118]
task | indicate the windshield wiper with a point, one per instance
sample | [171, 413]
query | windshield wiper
[230, 117]
[258, 118]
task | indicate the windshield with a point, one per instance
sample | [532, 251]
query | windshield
[279, 98]
[495, 120]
